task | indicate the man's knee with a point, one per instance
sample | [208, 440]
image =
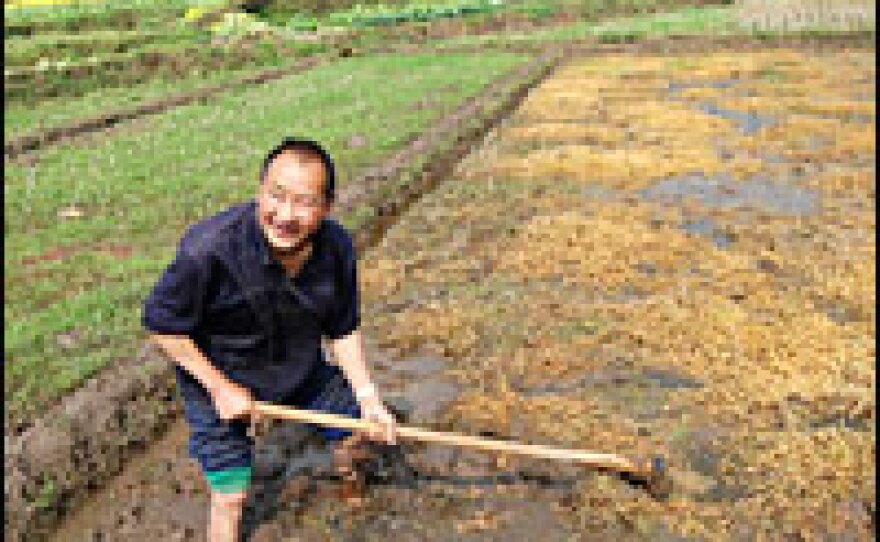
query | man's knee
[231, 501]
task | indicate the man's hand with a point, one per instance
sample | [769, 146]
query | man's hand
[232, 400]
[349, 353]
[375, 412]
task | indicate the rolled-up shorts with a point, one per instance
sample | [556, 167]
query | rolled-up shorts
[225, 451]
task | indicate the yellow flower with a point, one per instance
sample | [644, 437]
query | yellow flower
[193, 14]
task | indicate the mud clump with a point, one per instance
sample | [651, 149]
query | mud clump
[50, 467]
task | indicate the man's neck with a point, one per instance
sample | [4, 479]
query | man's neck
[293, 259]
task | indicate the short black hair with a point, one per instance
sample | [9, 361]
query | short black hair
[306, 146]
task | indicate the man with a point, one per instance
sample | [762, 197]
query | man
[243, 310]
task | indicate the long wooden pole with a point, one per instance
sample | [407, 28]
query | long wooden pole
[609, 461]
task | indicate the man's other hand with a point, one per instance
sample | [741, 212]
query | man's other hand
[376, 413]
[232, 401]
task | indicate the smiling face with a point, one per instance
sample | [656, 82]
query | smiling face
[291, 201]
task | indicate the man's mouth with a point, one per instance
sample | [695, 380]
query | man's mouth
[288, 231]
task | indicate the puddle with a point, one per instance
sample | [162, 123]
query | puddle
[852, 422]
[678, 86]
[601, 193]
[289, 450]
[492, 516]
[749, 123]
[660, 379]
[722, 191]
[703, 450]
[706, 227]
[845, 117]
[429, 397]
[418, 366]
[840, 312]
[416, 385]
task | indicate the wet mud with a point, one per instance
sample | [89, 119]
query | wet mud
[612, 284]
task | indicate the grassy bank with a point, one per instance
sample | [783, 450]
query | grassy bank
[75, 284]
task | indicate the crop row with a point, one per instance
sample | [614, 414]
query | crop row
[382, 15]
[106, 14]
[74, 78]
[31, 51]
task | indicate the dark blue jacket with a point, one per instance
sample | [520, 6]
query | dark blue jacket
[256, 325]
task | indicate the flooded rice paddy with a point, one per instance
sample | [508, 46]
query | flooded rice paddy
[652, 255]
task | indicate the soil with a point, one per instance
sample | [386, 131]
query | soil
[161, 495]
[60, 253]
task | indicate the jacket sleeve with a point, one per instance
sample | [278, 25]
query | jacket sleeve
[177, 302]
[345, 318]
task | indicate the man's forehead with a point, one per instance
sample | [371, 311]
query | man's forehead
[288, 169]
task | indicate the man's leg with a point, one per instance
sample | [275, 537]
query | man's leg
[348, 455]
[224, 523]
[225, 453]
[329, 391]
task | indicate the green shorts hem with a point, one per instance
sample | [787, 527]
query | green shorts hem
[231, 480]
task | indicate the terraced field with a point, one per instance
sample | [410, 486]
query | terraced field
[652, 255]
[670, 255]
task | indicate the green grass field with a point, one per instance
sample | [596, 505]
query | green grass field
[23, 118]
[74, 285]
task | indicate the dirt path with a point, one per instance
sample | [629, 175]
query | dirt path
[669, 254]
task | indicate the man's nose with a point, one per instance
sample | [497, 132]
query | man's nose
[301, 213]
[285, 212]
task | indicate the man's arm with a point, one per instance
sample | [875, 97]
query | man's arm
[230, 399]
[350, 355]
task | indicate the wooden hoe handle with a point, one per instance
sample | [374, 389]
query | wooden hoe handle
[609, 461]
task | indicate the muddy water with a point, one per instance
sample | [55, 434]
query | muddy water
[161, 495]
[295, 494]
[723, 191]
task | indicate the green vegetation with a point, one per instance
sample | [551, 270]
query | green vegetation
[74, 285]
[381, 15]
[688, 21]
[29, 51]
[108, 14]
[155, 61]
[68, 65]
[21, 118]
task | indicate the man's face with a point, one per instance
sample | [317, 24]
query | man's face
[290, 202]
